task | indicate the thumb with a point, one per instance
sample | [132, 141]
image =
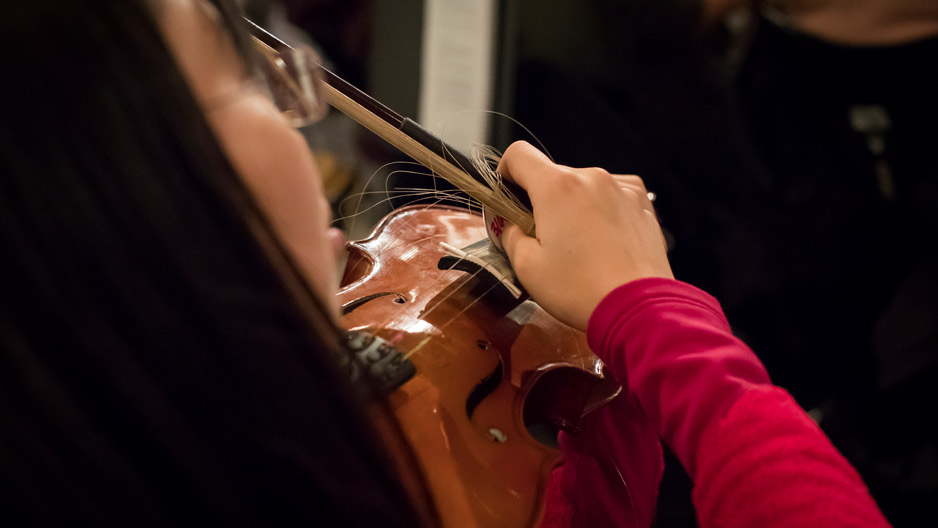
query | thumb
[523, 251]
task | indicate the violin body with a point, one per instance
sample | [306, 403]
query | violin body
[488, 376]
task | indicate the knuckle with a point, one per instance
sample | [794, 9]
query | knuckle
[598, 173]
[600, 178]
[586, 181]
[572, 181]
[638, 181]
[631, 195]
[515, 148]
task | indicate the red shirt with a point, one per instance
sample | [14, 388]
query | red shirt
[755, 457]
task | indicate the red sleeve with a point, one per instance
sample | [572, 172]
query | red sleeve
[755, 457]
[610, 473]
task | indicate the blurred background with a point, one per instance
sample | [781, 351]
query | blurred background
[793, 147]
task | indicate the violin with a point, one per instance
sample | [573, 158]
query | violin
[479, 378]
[491, 377]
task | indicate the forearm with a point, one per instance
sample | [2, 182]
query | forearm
[767, 464]
[755, 457]
[670, 344]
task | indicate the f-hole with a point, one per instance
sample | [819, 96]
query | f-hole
[355, 303]
[484, 388]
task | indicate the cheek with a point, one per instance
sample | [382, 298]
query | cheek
[275, 163]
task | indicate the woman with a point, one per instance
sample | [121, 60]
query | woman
[169, 324]
[164, 361]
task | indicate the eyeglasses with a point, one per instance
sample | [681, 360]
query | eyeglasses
[292, 75]
[299, 84]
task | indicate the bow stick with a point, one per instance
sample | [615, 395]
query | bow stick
[505, 198]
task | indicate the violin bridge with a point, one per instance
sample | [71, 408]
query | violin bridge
[487, 263]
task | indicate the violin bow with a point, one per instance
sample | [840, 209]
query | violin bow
[415, 141]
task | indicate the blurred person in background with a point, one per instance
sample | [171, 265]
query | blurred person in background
[792, 148]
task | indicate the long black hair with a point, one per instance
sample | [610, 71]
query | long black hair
[162, 361]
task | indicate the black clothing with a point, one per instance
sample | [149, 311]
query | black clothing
[801, 188]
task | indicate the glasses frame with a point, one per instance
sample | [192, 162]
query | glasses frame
[410, 138]
[293, 77]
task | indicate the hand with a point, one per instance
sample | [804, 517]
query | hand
[595, 232]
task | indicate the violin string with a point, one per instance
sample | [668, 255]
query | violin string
[481, 158]
[384, 325]
[478, 298]
[394, 246]
[387, 179]
[407, 192]
[416, 349]
[484, 158]
[387, 322]
[442, 327]
[452, 195]
[440, 302]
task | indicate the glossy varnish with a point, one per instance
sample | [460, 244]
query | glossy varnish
[482, 368]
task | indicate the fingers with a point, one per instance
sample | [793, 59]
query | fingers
[595, 232]
[630, 179]
[529, 167]
[523, 163]
[521, 248]
[636, 184]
